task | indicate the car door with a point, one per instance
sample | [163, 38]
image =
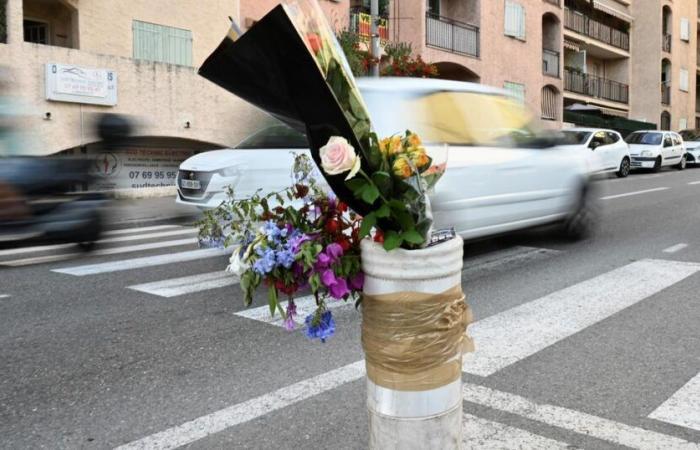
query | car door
[678, 148]
[614, 152]
[598, 146]
[667, 148]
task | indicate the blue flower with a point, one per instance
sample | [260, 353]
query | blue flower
[271, 230]
[320, 327]
[266, 263]
[285, 258]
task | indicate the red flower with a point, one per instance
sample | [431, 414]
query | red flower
[315, 42]
[342, 207]
[345, 244]
[379, 236]
[332, 226]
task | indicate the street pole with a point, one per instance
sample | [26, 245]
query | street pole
[374, 12]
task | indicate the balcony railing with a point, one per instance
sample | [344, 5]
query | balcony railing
[553, 2]
[451, 35]
[665, 93]
[595, 86]
[582, 24]
[666, 42]
[550, 62]
[361, 24]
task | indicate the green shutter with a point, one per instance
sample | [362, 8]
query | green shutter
[160, 43]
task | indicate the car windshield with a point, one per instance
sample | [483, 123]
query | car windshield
[276, 136]
[690, 135]
[576, 137]
[455, 118]
[644, 138]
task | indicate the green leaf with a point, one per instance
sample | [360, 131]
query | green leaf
[413, 237]
[370, 193]
[392, 240]
[383, 182]
[367, 223]
[383, 211]
[272, 299]
[356, 184]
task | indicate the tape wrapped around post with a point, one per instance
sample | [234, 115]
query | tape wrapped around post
[414, 341]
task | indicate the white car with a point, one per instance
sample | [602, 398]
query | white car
[691, 140]
[656, 149]
[606, 150]
[499, 176]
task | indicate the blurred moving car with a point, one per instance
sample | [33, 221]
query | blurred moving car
[691, 140]
[656, 149]
[36, 204]
[502, 174]
[606, 150]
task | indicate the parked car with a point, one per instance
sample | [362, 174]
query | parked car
[501, 174]
[691, 139]
[606, 150]
[656, 149]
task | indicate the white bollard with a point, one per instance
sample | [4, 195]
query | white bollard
[412, 413]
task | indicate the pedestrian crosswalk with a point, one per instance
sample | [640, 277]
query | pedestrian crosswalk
[503, 339]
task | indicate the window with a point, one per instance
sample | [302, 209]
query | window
[612, 137]
[36, 32]
[515, 20]
[160, 43]
[434, 7]
[684, 80]
[683, 124]
[676, 139]
[668, 142]
[276, 136]
[576, 137]
[517, 89]
[644, 138]
[685, 30]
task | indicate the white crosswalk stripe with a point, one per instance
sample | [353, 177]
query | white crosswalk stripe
[187, 285]
[140, 229]
[305, 306]
[683, 408]
[517, 333]
[139, 263]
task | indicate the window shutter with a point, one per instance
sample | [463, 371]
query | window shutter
[514, 19]
[685, 29]
[517, 89]
[683, 124]
[684, 80]
[161, 43]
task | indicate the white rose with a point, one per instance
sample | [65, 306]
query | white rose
[237, 264]
[338, 156]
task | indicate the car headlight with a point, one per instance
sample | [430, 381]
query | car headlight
[229, 172]
[647, 153]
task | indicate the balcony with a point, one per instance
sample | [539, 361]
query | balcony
[550, 63]
[553, 2]
[666, 42]
[582, 24]
[594, 86]
[361, 24]
[665, 93]
[451, 35]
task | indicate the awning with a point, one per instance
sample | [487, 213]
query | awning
[602, 6]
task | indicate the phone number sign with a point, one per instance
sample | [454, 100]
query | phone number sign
[134, 168]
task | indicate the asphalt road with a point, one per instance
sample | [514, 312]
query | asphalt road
[591, 345]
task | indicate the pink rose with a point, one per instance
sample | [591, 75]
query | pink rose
[338, 156]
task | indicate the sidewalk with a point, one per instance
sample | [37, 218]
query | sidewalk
[126, 213]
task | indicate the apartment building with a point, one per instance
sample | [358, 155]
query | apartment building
[632, 59]
[69, 60]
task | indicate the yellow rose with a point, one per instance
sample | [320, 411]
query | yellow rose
[418, 157]
[402, 167]
[414, 140]
[390, 146]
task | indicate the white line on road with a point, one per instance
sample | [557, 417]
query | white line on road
[305, 306]
[489, 435]
[627, 194]
[675, 248]
[694, 182]
[46, 248]
[187, 285]
[578, 422]
[138, 263]
[683, 408]
[107, 251]
[513, 335]
[243, 412]
[4, 296]
[139, 230]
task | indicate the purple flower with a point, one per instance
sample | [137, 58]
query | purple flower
[320, 326]
[322, 261]
[339, 289]
[289, 323]
[328, 278]
[295, 240]
[357, 282]
[334, 251]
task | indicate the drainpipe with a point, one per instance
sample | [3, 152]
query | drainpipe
[374, 12]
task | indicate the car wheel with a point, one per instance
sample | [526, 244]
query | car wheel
[684, 162]
[582, 221]
[624, 168]
[657, 165]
